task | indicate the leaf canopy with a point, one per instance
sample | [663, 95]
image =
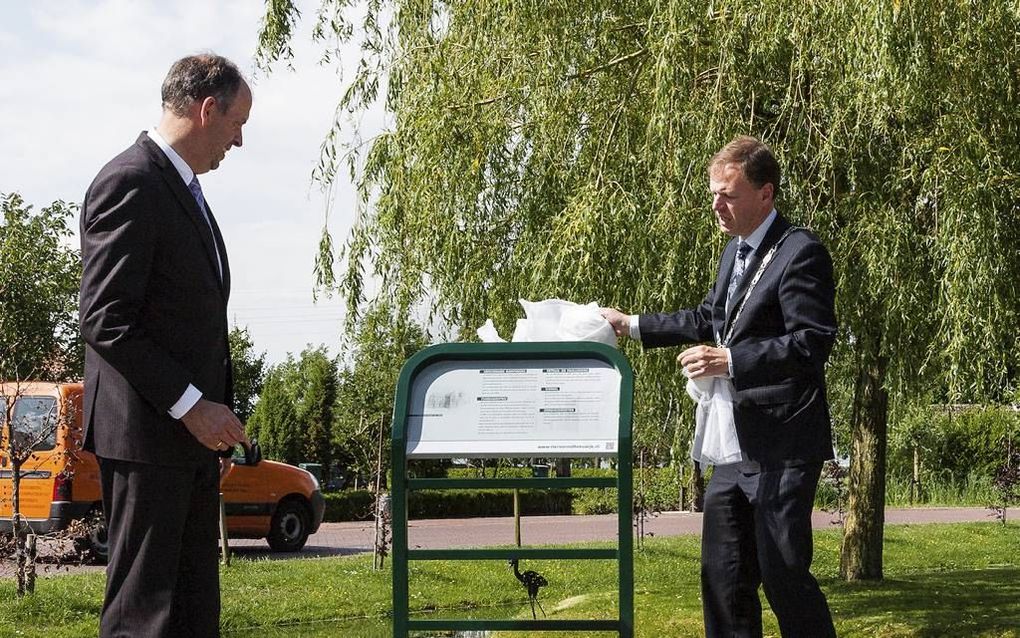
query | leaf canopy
[558, 148]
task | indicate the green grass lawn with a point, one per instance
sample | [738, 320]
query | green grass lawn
[941, 580]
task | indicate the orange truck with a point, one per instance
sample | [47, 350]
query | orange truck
[60, 481]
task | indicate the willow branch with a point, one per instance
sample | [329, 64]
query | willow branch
[574, 76]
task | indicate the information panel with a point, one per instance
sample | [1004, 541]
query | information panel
[500, 408]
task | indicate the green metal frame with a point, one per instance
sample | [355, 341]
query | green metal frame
[402, 484]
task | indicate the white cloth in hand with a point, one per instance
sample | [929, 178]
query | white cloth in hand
[715, 433]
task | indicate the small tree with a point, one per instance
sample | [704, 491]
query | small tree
[19, 442]
[365, 400]
[39, 279]
[294, 415]
[316, 403]
[249, 370]
[29, 425]
[275, 419]
[834, 477]
[1007, 479]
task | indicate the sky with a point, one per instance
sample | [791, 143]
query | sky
[79, 80]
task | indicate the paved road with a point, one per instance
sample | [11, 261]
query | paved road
[341, 539]
[334, 539]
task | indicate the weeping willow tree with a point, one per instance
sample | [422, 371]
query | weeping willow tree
[558, 148]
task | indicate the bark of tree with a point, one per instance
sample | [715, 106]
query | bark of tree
[861, 552]
[563, 467]
[697, 489]
[681, 502]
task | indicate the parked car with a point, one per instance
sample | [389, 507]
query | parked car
[60, 481]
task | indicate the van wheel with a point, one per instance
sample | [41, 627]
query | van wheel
[288, 531]
[94, 546]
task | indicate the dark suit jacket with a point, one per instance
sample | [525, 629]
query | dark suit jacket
[779, 346]
[153, 309]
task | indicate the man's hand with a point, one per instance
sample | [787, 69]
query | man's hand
[704, 361]
[215, 426]
[619, 321]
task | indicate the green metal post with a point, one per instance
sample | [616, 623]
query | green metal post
[625, 508]
[517, 517]
[398, 471]
[623, 554]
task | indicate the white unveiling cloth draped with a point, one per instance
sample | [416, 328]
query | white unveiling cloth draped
[715, 433]
[555, 320]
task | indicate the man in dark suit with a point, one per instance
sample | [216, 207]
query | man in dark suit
[154, 291]
[757, 516]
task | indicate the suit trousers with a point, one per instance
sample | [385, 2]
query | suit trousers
[162, 578]
[757, 531]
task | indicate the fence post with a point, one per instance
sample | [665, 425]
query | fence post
[30, 546]
[915, 477]
[224, 543]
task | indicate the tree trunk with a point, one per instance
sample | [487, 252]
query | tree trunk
[697, 489]
[20, 554]
[30, 558]
[379, 545]
[681, 502]
[17, 522]
[915, 477]
[861, 553]
[563, 467]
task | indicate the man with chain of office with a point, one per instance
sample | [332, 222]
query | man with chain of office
[769, 322]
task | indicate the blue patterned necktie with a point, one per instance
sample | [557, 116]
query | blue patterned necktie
[196, 192]
[738, 271]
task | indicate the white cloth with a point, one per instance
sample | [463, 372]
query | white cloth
[555, 320]
[715, 432]
[487, 333]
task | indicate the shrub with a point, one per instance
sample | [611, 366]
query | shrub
[356, 505]
[348, 505]
[662, 490]
[496, 471]
[952, 443]
[468, 503]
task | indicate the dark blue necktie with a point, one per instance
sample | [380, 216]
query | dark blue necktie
[738, 271]
[196, 192]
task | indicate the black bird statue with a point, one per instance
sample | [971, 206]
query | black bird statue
[533, 581]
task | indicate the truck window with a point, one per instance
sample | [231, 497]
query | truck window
[35, 422]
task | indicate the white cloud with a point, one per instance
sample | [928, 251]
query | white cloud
[139, 32]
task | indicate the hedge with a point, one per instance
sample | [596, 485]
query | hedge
[661, 493]
[958, 450]
[662, 487]
[348, 505]
[661, 490]
[356, 505]
[953, 444]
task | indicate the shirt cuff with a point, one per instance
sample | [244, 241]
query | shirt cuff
[635, 331]
[729, 362]
[186, 402]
